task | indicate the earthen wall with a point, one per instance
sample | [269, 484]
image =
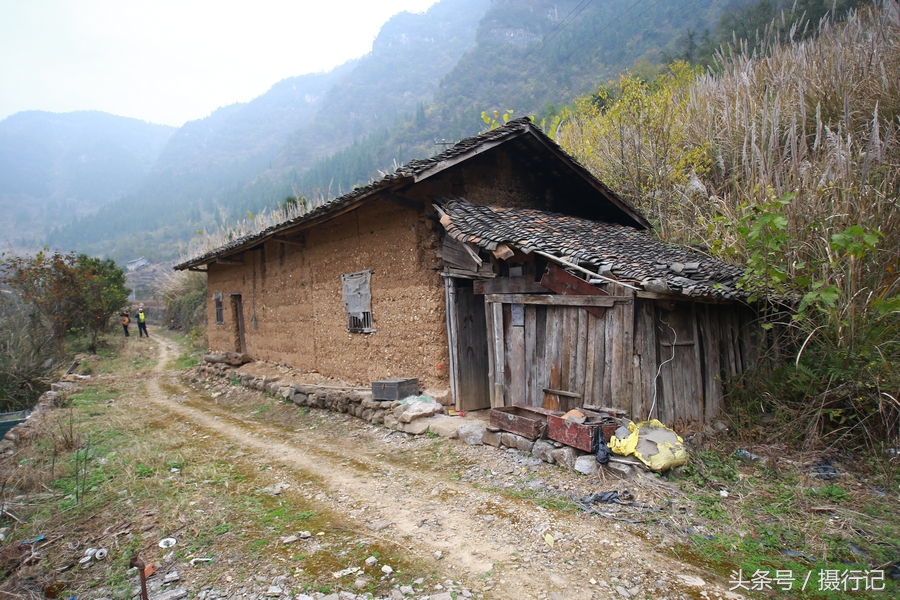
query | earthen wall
[294, 311]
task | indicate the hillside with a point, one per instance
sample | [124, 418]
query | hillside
[428, 78]
[57, 166]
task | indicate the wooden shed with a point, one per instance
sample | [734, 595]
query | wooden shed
[500, 269]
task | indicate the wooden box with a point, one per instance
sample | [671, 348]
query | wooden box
[582, 436]
[394, 389]
[527, 421]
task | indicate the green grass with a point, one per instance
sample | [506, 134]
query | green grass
[782, 519]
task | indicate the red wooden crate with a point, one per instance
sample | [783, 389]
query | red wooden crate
[580, 435]
[527, 421]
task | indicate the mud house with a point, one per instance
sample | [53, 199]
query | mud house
[501, 270]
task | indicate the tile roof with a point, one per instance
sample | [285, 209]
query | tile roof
[612, 250]
[407, 174]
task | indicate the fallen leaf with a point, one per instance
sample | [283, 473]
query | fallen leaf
[549, 539]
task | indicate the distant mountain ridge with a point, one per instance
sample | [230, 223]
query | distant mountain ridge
[54, 167]
[427, 78]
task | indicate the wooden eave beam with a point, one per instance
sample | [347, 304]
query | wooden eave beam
[446, 164]
[197, 270]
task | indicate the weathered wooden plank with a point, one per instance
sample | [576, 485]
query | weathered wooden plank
[498, 398]
[566, 352]
[454, 254]
[552, 341]
[580, 370]
[609, 372]
[711, 349]
[515, 349]
[590, 355]
[492, 360]
[551, 300]
[451, 313]
[628, 366]
[697, 370]
[509, 285]
[566, 284]
[649, 360]
[532, 359]
[542, 372]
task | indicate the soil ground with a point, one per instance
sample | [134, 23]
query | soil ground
[265, 499]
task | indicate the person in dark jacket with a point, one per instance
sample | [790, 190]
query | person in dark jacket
[141, 319]
[125, 322]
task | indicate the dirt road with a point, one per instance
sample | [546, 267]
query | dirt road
[494, 544]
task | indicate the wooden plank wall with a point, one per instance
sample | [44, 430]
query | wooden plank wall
[563, 348]
[664, 359]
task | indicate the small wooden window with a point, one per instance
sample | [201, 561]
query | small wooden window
[358, 301]
[220, 312]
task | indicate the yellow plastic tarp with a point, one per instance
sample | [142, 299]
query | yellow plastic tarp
[653, 444]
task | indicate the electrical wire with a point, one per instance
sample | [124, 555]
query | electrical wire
[594, 37]
[553, 32]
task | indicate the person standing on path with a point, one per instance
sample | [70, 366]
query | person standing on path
[142, 323]
[125, 321]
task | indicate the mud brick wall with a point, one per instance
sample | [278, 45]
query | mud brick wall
[294, 312]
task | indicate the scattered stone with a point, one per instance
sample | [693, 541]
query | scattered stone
[543, 450]
[290, 539]
[587, 464]
[276, 489]
[417, 427]
[175, 594]
[438, 555]
[387, 570]
[371, 561]
[407, 590]
[274, 590]
[565, 456]
[361, 582]
[622, 592]
[304, 535]
[692, 580]
[619, 469]
[444, 426]
[378, 525]
[472, 432]
[417, 410]
[171, 577]
[491, 438]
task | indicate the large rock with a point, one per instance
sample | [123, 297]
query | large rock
[418, 410]
[444, 426]
[390, 421]
[491, 438]
[417, 427]
[619, 469]
[472, 432]
[543, 450]
[587, 464]
[565, 456]
[511, 440]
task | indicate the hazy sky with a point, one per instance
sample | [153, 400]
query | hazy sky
[169, 61]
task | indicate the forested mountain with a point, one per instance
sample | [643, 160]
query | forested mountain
[428, 78]
[54, 167]
[207, 172]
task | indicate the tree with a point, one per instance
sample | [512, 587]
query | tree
[102, 294]
[66, 291]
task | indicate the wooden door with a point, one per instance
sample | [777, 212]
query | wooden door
[237, 317]
[467, 335]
